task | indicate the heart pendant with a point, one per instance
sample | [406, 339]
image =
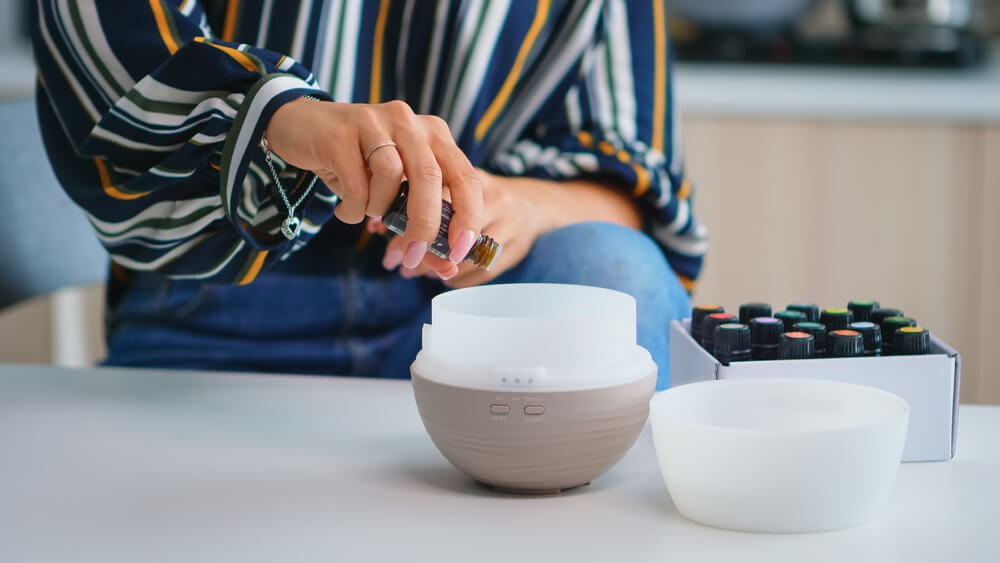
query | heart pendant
[290, 227]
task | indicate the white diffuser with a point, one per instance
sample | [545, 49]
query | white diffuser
[533, 388]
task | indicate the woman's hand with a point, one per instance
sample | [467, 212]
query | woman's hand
[517, 212]
[331, 140]
[512, 218]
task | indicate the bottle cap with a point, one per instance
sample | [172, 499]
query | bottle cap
[764, 333]
[871, 334]
[796, 346]
[789, 318]
[808, 309]
[889, 327]
[836, 318]
[845, 343]
[912, 340]
[708, 328]
[862, 310]
[819, 334]
[698, 314]
[880, 314]
[732, 342]
[753, 310]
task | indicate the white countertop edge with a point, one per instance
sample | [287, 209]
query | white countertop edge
[969, 95]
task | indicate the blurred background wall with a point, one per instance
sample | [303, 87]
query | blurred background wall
[840, 149]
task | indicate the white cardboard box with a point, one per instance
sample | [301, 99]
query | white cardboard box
[929, 383]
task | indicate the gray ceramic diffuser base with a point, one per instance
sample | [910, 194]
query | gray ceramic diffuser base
[579, 435]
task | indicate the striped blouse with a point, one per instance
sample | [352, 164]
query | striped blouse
[153, 110]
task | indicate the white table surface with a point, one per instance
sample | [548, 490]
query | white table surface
[122, 465]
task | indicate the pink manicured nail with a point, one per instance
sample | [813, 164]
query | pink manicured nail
[407, 272]
[449, 275]
[373, 224]
[462, 246]
[414, 254]
[393, 257]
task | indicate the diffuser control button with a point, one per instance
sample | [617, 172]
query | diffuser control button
[496, 408]
[533, 409]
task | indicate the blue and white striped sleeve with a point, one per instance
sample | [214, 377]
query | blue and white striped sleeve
[164, 121]
[616, 120]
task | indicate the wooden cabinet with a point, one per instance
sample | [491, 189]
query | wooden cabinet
[829, 210]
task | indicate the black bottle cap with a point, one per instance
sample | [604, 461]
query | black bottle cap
[808, 309]
[871, 334]
[698, 314]
[880, 314]
[764, 333]
[912, 340]
[836, 318]
[819, 334]
[862, 310]
[796, 346]
[708, 328]
[889, 327]
[789, 318]
[845, 343]
[732, 342]
[753, 310]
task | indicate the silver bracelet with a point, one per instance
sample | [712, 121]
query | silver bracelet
[291, 226]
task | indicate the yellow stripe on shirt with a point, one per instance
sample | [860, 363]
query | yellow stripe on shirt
[375, 94]
[660, 77]
[237, 55]
[164, 28]
[541, 13]
[688, 283]
[641, 180]
[229, 28]
[109, 188]
[258, 263]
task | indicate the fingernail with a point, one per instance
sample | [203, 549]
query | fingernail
[447, 276]
[393, 257]
[373, 224]
[414, 254]
[407, 272]
[462, 246]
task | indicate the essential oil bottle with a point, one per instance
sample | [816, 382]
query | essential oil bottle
[889, 327]
[764, 335]
[862, 310]
[698, 314]
[819, 335]
[912, 340]
[789, 318]
[732, 343]
[836, 318]
[753, 310]
[808, 309]
[796, 346]
[484, 252]
[845, 344]
[708, 329]
[871, 334]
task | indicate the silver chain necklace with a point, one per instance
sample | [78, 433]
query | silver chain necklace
[291, 226]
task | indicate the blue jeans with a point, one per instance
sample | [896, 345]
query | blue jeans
[361, 320]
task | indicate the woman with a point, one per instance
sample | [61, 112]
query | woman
[191, 132]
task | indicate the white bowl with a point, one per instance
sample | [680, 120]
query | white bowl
[778, 454]
[533, 388]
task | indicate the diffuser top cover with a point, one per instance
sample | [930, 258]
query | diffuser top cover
[543, 337]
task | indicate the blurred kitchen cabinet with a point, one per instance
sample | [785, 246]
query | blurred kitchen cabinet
[832, 210]
[989, 288]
